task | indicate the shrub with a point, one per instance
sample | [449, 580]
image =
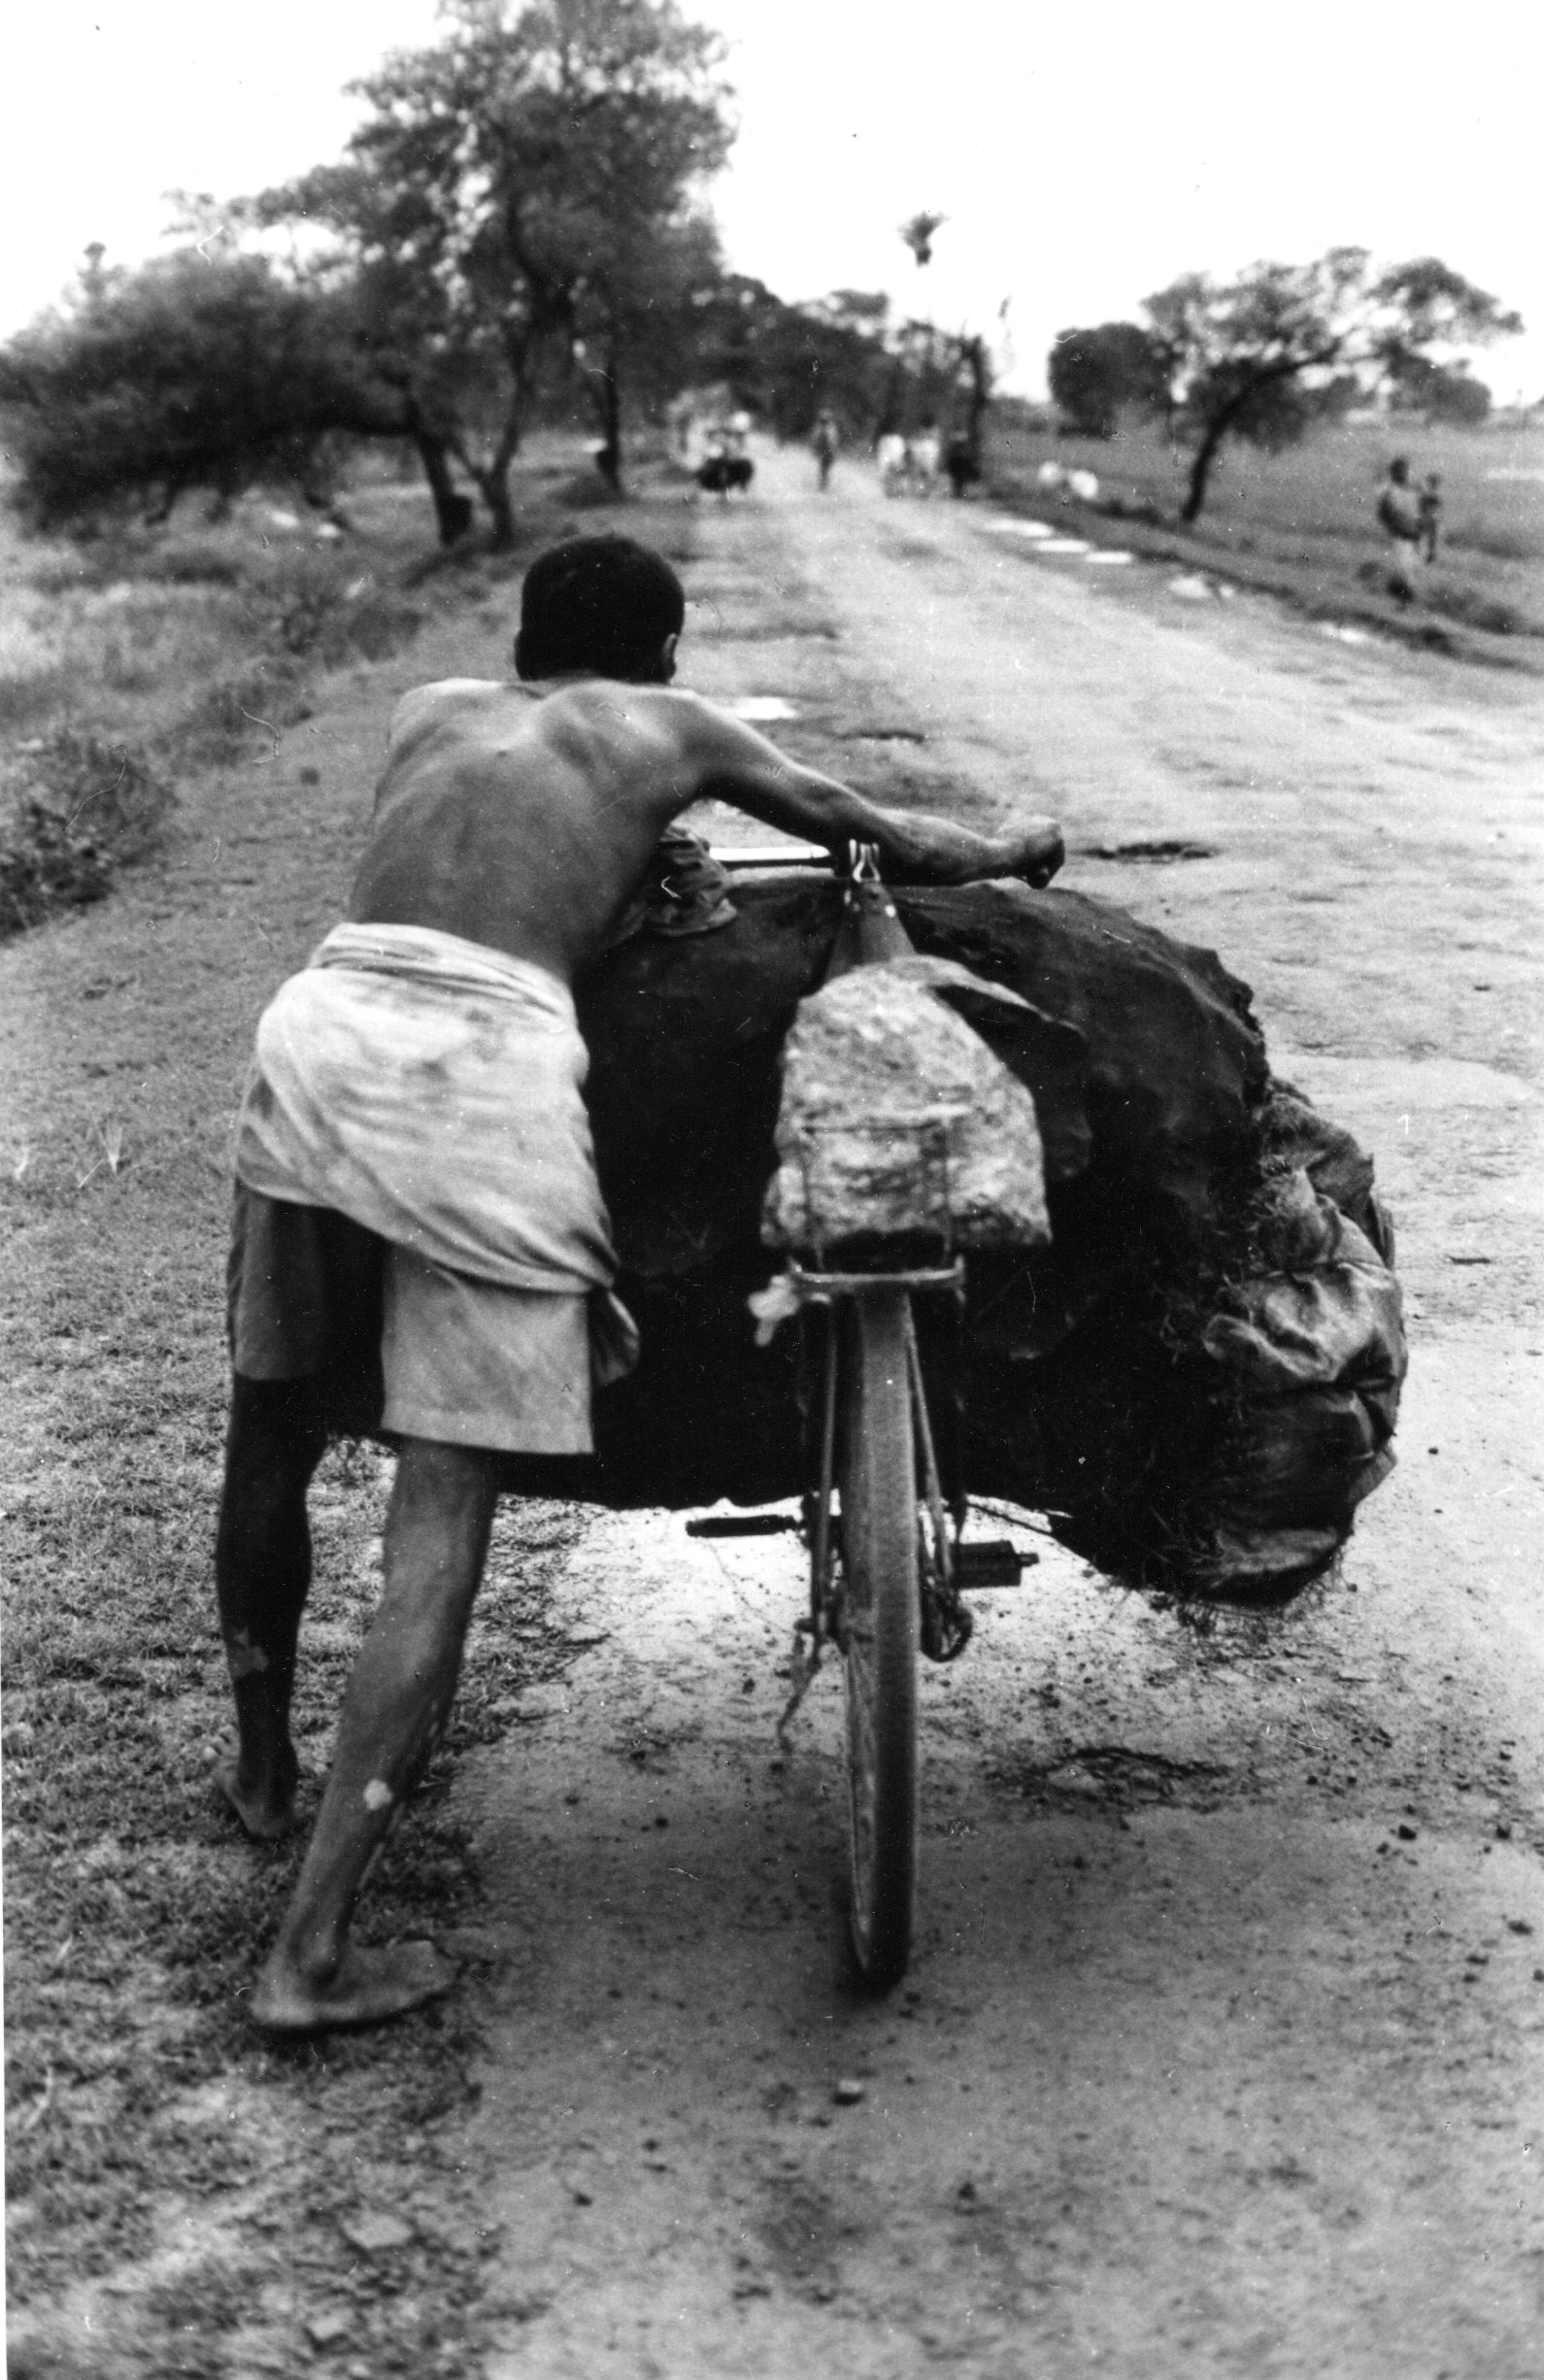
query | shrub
[263, 697]
[190, 562]
[73, 809]
[1476, 610]
[334, 625]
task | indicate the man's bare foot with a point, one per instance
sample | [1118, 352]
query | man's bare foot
[369, 1987]
[267, 1812]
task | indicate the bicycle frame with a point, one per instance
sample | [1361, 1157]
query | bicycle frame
[946, 1622]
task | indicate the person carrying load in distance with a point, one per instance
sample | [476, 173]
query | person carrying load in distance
[421, 1250]
[1399, 518]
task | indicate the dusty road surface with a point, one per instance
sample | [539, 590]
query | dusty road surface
[1223, 2049]
[1223, 2045]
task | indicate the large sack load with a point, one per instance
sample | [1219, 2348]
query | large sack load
[1197, 1378]
[896, 1118]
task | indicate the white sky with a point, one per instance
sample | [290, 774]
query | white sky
[1084, 154]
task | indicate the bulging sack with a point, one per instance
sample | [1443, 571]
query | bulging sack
[896, 1119]
[1313, 1358]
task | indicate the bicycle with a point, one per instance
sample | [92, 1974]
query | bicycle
[888, 1561]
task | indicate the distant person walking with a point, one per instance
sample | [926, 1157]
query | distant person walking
[1428, 514]
[1400, 523]
[960, 462]
[893, 458]
[826, 440]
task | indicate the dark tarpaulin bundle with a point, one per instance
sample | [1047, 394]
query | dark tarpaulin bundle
[1197, 1377]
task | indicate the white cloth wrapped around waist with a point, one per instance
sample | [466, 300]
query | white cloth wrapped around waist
[430, 1088]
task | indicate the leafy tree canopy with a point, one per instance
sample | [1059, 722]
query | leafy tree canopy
[191, 371]
[1238, 350]
[528, 182]
[1442, 392]
[1098, 375]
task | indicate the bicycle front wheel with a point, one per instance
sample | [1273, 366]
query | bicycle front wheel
[877, 1477]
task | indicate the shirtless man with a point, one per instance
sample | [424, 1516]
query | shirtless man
[512, 825]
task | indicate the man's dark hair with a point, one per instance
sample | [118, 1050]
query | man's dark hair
[600, 603]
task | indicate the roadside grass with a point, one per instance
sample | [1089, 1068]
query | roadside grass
[156, 2143]
[156, 653]
[1302, 524]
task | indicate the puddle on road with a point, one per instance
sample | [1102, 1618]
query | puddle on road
[1152, 851]
[1112, 1776]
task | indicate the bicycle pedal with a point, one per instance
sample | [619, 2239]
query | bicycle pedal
[993, 1562]
[743, 1525]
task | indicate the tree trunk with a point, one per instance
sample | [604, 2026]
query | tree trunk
[453, 511]
[979, 365]
[605, 388]
[492, 477]
[493, 488]
[1218, 428]
[1200, 468]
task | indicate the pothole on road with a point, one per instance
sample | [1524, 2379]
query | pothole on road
[1155, 852]
[779, 632]
[1113, 1776]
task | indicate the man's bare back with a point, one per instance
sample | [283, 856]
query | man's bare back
[522, 817]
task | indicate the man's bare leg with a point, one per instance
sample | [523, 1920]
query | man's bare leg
[262, 1574]
[398, 1700]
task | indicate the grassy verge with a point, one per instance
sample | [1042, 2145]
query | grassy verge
[199, 2195]
[127, 662]
[1301, 526]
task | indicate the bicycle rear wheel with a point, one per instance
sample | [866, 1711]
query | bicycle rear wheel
[877, 1478]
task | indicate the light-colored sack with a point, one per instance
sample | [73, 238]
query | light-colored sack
[896, 1119]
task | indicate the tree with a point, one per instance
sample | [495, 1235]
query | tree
[917, 233]
[787, 362]
[1440, 392]
[519, 187]
[1244, 355]
[193, 371]
[1098, 375]
[635, 320]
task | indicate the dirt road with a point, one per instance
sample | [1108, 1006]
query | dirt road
[1223, 2051]
[1221, 2048]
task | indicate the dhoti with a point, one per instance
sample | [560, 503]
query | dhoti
[422, 1097]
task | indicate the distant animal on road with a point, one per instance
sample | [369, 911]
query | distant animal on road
[719, 473]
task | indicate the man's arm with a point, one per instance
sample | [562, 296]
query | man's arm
[734, 764]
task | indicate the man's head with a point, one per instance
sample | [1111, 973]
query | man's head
[1399, 471]
[605, 604]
